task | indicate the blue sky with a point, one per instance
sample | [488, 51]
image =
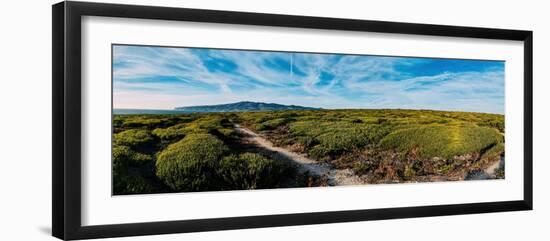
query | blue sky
[164, 78]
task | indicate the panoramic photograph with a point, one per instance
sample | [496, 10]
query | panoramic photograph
[202, 119]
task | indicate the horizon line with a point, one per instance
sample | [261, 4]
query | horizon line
[315, 108]
[318, 108]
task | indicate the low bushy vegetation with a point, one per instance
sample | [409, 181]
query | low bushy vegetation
[251, 171]
[183, 153]
[272, 124]
[442, 140]
[172, 132]
[335, 132]
[123, 158]
[202, 151]
[133, 138]
[132, 184]
[494, 151]
[124, 155]
[191, 164]
[332, 138]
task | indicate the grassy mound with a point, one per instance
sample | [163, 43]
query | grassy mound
[272, 124]
[171, 133]
[328, 138]
[191, 164]
[250, 171]
[131, 184]
[133, 138]
[124, 156]
[443, 140]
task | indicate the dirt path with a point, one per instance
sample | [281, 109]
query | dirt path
[489, 172]
[335, 177]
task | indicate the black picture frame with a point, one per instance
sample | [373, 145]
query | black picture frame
[66, 76]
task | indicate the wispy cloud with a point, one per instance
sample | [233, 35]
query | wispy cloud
[160, 77]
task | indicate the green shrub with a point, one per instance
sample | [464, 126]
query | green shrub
[310, 128]
[319, 151]
[494, 123]
[272, 124]
[339, 141]
[171, 133]
[381, 120]
[133, 138]
[126, 184]
[306, 141]
[139, 121]
[336, 137]
[120, 161]
[207, 124]
[250, 171]
[227, 132]
[442, 141]
[117, 122]
[152, 121]
[361, 168]
[191, 163]
[211, 122]
[124, 156]
[494, 151]
[123, 183]
[260, 127]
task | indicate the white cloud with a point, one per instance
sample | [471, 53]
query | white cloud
[358, 81]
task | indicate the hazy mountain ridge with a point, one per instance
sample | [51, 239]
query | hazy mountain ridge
[243, 106]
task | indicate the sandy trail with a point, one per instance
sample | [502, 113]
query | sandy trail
[335, 177]
[489, 172]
